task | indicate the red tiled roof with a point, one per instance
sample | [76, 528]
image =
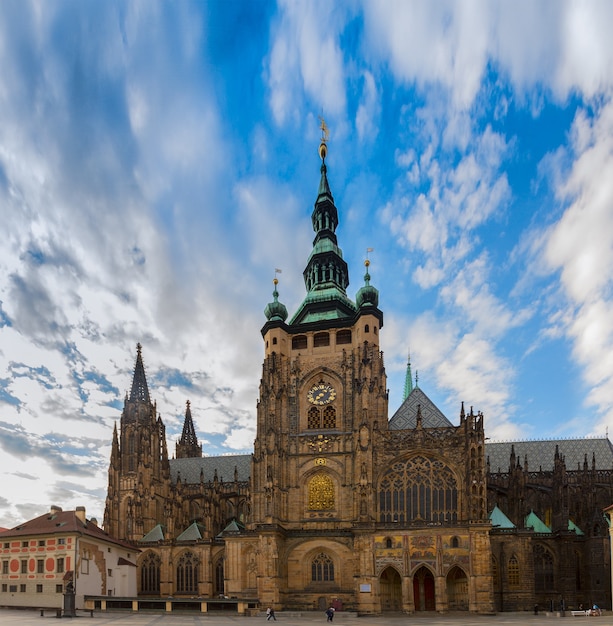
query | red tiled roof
[63, 523]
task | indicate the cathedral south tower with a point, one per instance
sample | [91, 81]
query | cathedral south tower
[323, 398]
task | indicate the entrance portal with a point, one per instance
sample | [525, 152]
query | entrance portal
[457, 590]
[423, 590]
[391, 590]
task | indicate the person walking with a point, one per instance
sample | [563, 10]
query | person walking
[270, 613]
[330, 614]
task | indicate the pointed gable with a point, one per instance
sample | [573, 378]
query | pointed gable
[534, 522]
[155, 534]
[500, 520]
[192, 533]
[406, 416]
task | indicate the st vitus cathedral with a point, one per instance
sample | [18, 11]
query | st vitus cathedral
[339, 505]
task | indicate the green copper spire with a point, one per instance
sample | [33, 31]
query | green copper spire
[408, 380]
[326, 275]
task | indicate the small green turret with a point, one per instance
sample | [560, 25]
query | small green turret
[275, 311]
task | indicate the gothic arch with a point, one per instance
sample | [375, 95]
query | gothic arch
[544, 569]
[187, 573]
[457, 589]
[424, 589]
[149, 566]
[218, 576]
[327, 416]
[420, 488]
[320, 558]
[390, 589]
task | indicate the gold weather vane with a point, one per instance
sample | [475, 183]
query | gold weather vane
[325, 136]
[277, 271]
[325, 133]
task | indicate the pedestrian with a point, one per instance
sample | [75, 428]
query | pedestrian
[270, 613]
[330, 614]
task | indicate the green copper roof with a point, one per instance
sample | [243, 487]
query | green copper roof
[326, 275]
[408, 380]
[275, 310]
[233, 528]
[499, 519]
[155, 534]
[367, 295]
[192, 533]
[573, 526]
[538, 526]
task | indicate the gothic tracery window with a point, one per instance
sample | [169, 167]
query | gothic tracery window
[513, 572]
[321, 492]
[187, 573]
[543, 569]
[150, 574]
[319, 419]
[322, 568]
[420, 488]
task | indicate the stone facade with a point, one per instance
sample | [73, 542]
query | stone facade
[338, 504]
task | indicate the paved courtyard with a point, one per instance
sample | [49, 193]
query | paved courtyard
[33, 618]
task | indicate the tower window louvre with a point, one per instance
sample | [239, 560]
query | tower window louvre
[343, 337]
[321, 339]
[299, 342]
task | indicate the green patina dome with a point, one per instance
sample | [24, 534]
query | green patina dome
[275, 310]
[367, 295]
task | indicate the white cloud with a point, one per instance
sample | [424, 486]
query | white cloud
[306, 59]
[580, 246]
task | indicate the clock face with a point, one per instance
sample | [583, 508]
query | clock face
[320, 394]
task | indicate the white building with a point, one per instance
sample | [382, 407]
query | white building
[41, 557]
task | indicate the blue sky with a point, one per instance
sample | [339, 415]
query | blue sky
[158, 161]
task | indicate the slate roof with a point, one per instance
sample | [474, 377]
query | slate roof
[405, 416]
[190, 468]
[541, 453]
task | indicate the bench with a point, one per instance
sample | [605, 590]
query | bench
[582, 613]
[58, 612]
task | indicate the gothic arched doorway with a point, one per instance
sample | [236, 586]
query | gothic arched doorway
[423, 590]
[390, 587]
[457, 590]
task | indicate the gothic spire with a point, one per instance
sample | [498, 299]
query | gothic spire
[139, 391]
[188, 446]
[115, 448]
[326, 275]
[408, 380]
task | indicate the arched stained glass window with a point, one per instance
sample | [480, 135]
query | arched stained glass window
[320, 419]
[321, 492]
[543, 569]
[187, 573]
[150, 573]
[329, 416]
[513, 572]
[322, 568]
[421, 489]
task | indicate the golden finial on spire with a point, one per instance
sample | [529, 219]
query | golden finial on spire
[325, 135]
[275, 280]
[367, 262]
